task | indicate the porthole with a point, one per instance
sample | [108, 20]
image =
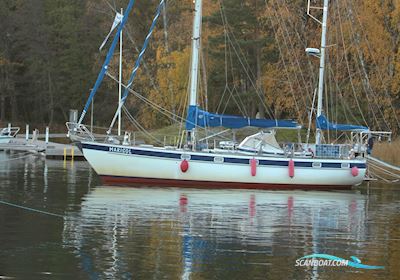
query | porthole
[316, 164]
[218, 159]
[185, 156]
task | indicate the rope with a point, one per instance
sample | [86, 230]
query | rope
[137, 124]
[285, 66]
[291, 49]
[162, 110]
[106, 61]
[225, 59]
[378, 169]
[31, 209]
[146, 68]
[242, 108]
[366, 84]
[310, 117]
[388, 180]
[302, 40]
[345, 106]
[384, 163]
[348, 70]
[137, 63]
[228, 49]
[246, 67]
[111, 7]
[379, 71]
[384, 179]
[382, 170]
[147, 71]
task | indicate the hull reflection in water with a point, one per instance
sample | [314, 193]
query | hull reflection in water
[180, 232]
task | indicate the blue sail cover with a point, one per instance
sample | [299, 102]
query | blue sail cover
[324, 124]
[197, 117]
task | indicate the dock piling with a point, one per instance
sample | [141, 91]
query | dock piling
[26, 132]
[31, 144]
[47, 135]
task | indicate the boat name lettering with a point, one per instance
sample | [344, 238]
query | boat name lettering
[120, 150]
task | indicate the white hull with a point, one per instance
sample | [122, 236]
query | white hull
[8, 133]
[5, 139]
[130, 164]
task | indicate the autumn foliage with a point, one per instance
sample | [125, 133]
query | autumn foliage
[252, 61]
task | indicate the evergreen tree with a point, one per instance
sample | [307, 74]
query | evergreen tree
[239, 51]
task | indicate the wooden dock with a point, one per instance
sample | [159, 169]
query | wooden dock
[50, 150]
[32, 142]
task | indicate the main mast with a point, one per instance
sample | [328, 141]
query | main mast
[120, 78]
[322, 68]
[194, 68]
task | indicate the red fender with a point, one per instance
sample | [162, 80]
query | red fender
[184, 165]
[354, 171]
[253, 167]
[291, 168]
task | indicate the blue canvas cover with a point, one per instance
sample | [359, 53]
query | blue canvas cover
[197, 117]
[324, 124]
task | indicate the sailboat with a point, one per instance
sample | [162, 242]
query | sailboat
[259, 162]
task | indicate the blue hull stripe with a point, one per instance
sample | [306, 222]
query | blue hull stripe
[331, 165]
[201, 158]
[130, 151]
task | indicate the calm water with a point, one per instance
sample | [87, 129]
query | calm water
[159, 233]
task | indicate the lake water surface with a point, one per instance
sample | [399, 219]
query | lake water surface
[89, 231]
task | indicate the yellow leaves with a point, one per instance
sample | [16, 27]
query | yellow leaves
[172, 73]
[395, 14]
[396, 78]
[209, 7]
[172, 79]
[362, 49]
[277, 90]
[372, 19]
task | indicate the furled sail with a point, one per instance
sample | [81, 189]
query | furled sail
[199, 118]
[324, 124]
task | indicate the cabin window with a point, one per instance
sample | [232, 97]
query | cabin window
[316, 164]
[184, 156]
[218, 159]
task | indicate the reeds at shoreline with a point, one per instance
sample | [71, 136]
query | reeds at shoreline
[388, 151]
